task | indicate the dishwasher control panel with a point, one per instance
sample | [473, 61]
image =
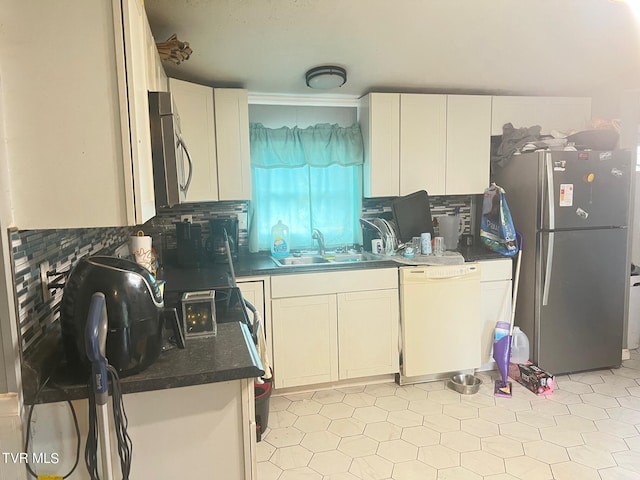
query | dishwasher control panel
[439, 271]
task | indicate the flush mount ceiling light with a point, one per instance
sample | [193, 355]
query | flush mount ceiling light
[326, 77]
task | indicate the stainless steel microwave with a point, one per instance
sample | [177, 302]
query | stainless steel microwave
[172, 166]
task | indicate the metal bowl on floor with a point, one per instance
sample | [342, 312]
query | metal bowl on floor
[465, 384]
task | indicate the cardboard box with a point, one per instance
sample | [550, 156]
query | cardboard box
[532, 377]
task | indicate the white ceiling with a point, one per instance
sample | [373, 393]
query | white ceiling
[532, 47]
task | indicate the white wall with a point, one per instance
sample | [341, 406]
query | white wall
[10, 405]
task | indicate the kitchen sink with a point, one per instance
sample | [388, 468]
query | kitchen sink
[297, 260]
[302, 260]
[354, 257]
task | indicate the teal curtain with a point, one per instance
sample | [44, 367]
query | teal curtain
[308, 178]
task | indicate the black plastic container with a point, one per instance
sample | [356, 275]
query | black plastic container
[189, 244]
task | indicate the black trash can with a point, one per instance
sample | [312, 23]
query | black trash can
[262, 395]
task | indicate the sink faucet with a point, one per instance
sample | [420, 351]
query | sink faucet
[317, 235]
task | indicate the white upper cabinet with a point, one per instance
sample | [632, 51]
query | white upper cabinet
[78, 144]
[468, 144]
[215, 127]
[232, 142]
[194, 104]
[564, 114]
[379, 118]
[423, 143]
[437, 143]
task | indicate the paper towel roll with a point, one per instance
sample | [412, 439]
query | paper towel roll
[141, 249]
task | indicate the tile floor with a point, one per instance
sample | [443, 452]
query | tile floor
[589, 428]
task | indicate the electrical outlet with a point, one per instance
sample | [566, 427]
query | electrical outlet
[44, 281]
[186, 218]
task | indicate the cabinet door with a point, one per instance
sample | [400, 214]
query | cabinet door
[140, 163]
[305, 340]
[195, 108]
[68, 137]
[232, 142]
[564, 114]
[379, 118]
[468, 144]
[495, 306]
[423, 143]
[156, 76]
[368, 325]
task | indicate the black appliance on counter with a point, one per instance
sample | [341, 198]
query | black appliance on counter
[216, 243]
[133, 304]
[412, 215]
[189, 244]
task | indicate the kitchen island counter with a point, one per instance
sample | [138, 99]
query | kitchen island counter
[230, 355]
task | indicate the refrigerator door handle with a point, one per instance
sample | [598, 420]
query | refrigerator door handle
[551, 201]
[547, 273]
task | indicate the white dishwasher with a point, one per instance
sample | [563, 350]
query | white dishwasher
[440, 320]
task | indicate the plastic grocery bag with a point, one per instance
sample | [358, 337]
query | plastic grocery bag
[496, 226]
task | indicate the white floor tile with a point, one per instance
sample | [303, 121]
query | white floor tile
[321, 441]
[331, 462]
[358, 446]
[312, 423]
[372, 467]
[398, 451]
[573, 471]
[413, 470]
[439, 456]
[382, 431]
[288, 458]
[482, 463]
[589, 428]
[527, 468]
[300, 474]
[457, 473]
[591, 456]
[546, 452]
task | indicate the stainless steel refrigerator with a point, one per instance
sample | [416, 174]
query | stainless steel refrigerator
[572, 209]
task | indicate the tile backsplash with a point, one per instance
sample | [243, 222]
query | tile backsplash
[440, 205]
[62, 249]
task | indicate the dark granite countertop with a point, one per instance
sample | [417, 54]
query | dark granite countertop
[230, 355]
[211, 275]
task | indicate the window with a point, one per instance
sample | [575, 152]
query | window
[308, 178]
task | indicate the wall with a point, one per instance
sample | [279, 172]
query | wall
[62, 249]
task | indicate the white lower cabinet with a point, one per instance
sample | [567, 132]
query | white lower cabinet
[368, 333]
[334, 326]
[495, 304]
[305, 347]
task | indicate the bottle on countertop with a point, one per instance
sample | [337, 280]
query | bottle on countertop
[280, 240]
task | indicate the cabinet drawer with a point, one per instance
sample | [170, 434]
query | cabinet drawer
[305, 284]
[493, 270]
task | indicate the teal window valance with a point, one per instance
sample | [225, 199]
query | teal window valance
[317, 146]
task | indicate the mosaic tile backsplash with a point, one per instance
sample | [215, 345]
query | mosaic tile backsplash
[62, 249]
[440, 205]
